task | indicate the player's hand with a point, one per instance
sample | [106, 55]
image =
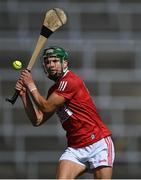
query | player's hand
[27, 80]
[26, 77]
[20, 87]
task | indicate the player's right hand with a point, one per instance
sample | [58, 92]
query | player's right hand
[26, 77]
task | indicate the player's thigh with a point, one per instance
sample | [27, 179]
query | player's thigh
[69, 170]
[103, 172]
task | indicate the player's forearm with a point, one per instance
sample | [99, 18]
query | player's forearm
[40, 101]
[32, 112]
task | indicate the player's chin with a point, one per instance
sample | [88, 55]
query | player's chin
[53, 72]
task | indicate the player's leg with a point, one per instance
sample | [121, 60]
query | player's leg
[103, 172]
[102, 161]
[69, 170]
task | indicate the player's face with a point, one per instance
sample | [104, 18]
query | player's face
[53, 65]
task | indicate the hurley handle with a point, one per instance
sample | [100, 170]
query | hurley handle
[13, 99]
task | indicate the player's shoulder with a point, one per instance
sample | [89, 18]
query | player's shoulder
[70, 81]
[72, 77]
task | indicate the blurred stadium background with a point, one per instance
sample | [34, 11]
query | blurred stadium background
[104, 41]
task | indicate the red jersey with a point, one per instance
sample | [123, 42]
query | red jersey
[78, 116]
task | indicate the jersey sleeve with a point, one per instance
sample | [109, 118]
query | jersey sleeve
[67, 88]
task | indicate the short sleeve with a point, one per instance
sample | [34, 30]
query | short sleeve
[67, 88]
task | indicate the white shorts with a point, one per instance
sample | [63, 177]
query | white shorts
[97, 154]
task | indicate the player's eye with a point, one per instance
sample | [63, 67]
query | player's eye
[46, 61]
[55, 60]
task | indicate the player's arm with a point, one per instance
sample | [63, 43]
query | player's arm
[40, 109]
[32, 112]
[46, 107]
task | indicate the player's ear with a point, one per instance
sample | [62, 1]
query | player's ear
[66, 63]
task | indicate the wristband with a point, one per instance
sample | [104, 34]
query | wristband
[31, 87]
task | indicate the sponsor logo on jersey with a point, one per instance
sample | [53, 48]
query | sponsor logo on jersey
[63, 113]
